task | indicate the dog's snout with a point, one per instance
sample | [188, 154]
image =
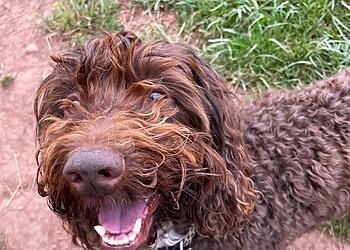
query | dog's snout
[94, 172]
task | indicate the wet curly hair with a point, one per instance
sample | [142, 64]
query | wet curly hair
[187, 147]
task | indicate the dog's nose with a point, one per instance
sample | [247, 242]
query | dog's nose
[94, 172]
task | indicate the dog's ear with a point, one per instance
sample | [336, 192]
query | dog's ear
[226, 207]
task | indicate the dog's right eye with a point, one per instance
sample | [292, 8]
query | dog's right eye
[77, 102]
[155, 96]
[75, 98]
[70, 110]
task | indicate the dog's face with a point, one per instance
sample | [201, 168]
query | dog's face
[133, 136]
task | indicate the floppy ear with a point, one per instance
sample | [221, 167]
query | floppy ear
[224, 209]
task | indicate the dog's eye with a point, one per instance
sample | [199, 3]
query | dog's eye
[77, 102]
[70, 110]
[155, 96]
[74, 98]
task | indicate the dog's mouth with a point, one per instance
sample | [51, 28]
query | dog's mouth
[125, 227]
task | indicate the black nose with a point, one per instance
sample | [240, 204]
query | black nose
[94, 172]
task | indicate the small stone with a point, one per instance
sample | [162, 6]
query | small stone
[31, 48]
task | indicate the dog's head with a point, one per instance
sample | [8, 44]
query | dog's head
[133, 136]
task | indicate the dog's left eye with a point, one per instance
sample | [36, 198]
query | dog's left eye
[155, 96]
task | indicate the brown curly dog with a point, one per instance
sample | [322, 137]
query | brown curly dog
[141, 146]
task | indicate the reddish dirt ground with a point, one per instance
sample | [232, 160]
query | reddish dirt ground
[25, 219]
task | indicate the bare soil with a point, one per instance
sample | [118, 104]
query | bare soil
[25, 219]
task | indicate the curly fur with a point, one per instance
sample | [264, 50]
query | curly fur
[245, 178]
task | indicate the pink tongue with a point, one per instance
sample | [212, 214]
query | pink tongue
[119, 220]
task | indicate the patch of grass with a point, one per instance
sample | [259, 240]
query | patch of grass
[6, 82]
[272, 43]
[79, 19]
[340, 228]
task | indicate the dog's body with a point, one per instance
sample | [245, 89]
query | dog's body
[150, 128]
[300, 145]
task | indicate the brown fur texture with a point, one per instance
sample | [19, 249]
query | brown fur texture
[247, 178]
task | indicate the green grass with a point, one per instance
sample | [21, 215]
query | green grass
[271, 43]
[79, 19]
[340, 228]
[6, 82]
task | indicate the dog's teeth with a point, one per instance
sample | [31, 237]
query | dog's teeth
[115, 241]
[125, 239]
[121, 239]
[132, 236]
[111, 241]
[105, 239]
[100, 230]
[137, 227]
